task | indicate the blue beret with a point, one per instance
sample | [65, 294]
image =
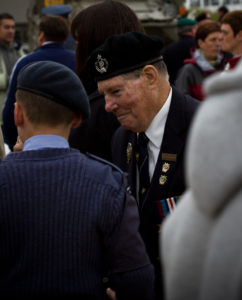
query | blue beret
[55, 82]
[186, 22]
[57, 10]
[123, 53]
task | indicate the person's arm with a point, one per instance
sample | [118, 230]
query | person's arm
[8, 127]
[184, 81]
[132, 275]
[2, 149]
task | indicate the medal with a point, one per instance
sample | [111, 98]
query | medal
[129, 152]
[162, 179]
[165, 167]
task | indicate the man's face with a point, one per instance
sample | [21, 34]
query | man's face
[7, 31]
[129, 100]
[229, 42]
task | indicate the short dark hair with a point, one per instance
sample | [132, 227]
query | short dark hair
[223, 9]
[43, 111]
[55, 28]
[93, 25]
[5, 16]
[234, 19]
[205, 29]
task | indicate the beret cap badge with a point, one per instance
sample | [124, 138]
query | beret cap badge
[101, 64]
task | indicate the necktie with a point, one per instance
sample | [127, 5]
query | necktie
[143, 165]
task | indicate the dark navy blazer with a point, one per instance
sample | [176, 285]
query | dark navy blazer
[179, 118]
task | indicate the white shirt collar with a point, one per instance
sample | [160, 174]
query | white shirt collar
[155, 131]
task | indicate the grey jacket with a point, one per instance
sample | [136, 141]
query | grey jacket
[202, 241]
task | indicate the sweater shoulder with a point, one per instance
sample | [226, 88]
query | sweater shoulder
[93, 168]
[103, 171]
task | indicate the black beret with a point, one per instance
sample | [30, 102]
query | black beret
[55, 82]
[123, 53]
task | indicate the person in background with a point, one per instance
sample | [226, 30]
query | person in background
[201, 243]
[206, 60]
[53, 31]
[64, 11]
[9, 54]
[175, 53]
[202, 16]
[155, 119]
[231, 28]
[67, 219]
[90, 29]
[222, 11]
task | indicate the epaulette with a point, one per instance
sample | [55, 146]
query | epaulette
[104, 161]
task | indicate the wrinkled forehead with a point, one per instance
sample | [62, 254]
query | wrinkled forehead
[107, 85]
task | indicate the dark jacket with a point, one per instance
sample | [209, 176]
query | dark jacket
[94, 135]
[54, 52]
[175, 54]
[179, 118]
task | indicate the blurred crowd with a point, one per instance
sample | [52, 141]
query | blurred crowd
[120, 169]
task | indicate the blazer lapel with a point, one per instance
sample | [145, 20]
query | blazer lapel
[171, 152]
[131, 161]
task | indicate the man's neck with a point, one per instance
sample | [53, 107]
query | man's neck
[237, 51]
[6, 45]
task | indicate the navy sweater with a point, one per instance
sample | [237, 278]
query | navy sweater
[65, 222]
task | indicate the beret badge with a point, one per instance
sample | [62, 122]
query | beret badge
[101, 64]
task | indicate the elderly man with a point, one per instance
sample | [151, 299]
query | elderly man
[133, 78]
[9, 53]
[66, 218]
[53, 31]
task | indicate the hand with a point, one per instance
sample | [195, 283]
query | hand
[18, 146]
[111, 294]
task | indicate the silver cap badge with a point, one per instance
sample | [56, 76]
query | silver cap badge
[101, 64]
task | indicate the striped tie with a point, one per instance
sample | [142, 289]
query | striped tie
[143, 165]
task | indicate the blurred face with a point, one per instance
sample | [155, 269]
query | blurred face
[211, 45]
[229, 42]
[7, 31]
[129, 100]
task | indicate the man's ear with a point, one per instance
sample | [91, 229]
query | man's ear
[41, 38]
[18, 114]
[150, 75]
[77, 121]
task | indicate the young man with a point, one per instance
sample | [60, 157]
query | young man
[134, 80]
[9, 53]
[67, 219]
[53, 31]
[231, 27]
